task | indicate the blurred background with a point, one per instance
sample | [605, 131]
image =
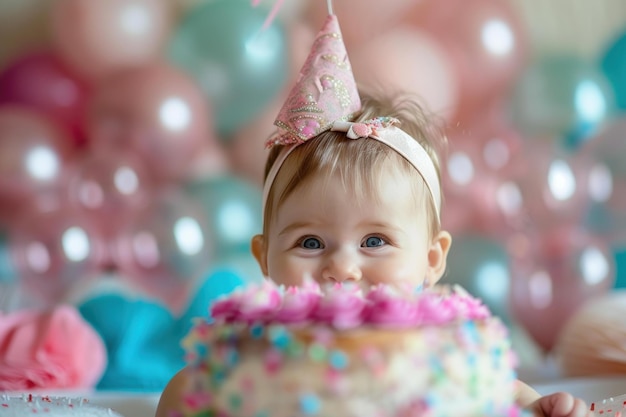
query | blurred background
[132, 152]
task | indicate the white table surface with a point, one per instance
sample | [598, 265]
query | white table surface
[144, 404]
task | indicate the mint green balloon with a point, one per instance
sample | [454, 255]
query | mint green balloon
[562, 96]
[239, 66]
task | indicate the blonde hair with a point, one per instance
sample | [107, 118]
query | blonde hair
[358, 163]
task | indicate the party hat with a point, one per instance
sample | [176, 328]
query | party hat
[324, 93]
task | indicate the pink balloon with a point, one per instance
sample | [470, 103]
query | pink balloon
[363, 20]
[553, 274]
[166, 248]
[554, 185]
[406, 59]
[41, 81]
[34, 154]
[477, 174]
[53, 251]
[97, 38]
[110, 188]
[485, 39]
[158, 112]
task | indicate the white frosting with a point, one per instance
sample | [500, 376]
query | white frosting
[51, 407]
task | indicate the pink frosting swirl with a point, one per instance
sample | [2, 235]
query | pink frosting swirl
[254, 303]
[388, 308]
[51, 349]
[345, 306]
[298, 305]
[342, 306]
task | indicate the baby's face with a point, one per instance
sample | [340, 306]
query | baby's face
[321, 232]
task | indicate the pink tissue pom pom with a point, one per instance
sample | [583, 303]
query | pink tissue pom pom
[49, 349]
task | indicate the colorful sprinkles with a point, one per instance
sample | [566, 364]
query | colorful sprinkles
[255, 364]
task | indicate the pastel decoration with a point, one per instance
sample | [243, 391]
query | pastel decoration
[41, 81]
[141, 357]
[239, 66]
[52, 251]
[562, 96]
[427, 71]
[613, 64]
[557, 272]
[166, 248]
[53, 349]
[97, 39]
[233, 208]
[35, 154]
[156, 111]
[481, 265]
[109, 187]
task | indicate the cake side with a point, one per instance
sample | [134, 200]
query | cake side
[442, 355]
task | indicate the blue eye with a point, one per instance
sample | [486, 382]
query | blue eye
[311, 243]
[374, 241]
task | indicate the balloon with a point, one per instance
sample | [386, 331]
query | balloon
[25, 23]
[109, 188]
[234, 209]
[478, 169]
[156, 111]
[238, 66]
[485, 40]
[553, 274]
[409, 60]
[34, 154]
[8, 274]
[553, 185]
[52, 251]
[613, 66]
[365, 19]
[481, 266]
[562, 95]
[41, 81]
[97, 38]
[166, 248]
[607, 181]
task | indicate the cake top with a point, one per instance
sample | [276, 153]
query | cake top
[346, 306]
[51, 407]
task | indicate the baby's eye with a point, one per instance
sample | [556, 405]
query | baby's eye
[311, 243]
[373, 242]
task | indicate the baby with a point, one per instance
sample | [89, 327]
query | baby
[353, 194]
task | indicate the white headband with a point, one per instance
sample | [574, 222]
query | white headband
[392, 136]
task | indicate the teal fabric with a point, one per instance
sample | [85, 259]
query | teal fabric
[143, 338]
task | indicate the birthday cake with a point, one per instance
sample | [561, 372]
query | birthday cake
[345, 351]
[20, 406]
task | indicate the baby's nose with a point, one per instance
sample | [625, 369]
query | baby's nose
[342, 266]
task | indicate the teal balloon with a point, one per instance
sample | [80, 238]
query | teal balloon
[234, 209]
[481, 266]
[239, 66]
[613, 65]
[8, 275]
[562, 96]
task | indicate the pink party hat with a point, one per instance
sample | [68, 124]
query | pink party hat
[324, 93]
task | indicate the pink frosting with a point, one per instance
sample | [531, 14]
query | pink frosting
[345, 306]
[390, 309]
[252, 304]
[51, 349]
[298, 305]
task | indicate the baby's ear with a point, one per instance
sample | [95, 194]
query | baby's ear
[260, 253]
[437, 256]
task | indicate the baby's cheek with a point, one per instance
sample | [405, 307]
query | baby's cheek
[289, 273]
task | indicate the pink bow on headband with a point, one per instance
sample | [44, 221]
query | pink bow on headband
[364, 129]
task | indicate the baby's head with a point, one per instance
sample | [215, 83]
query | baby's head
[340, 209]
